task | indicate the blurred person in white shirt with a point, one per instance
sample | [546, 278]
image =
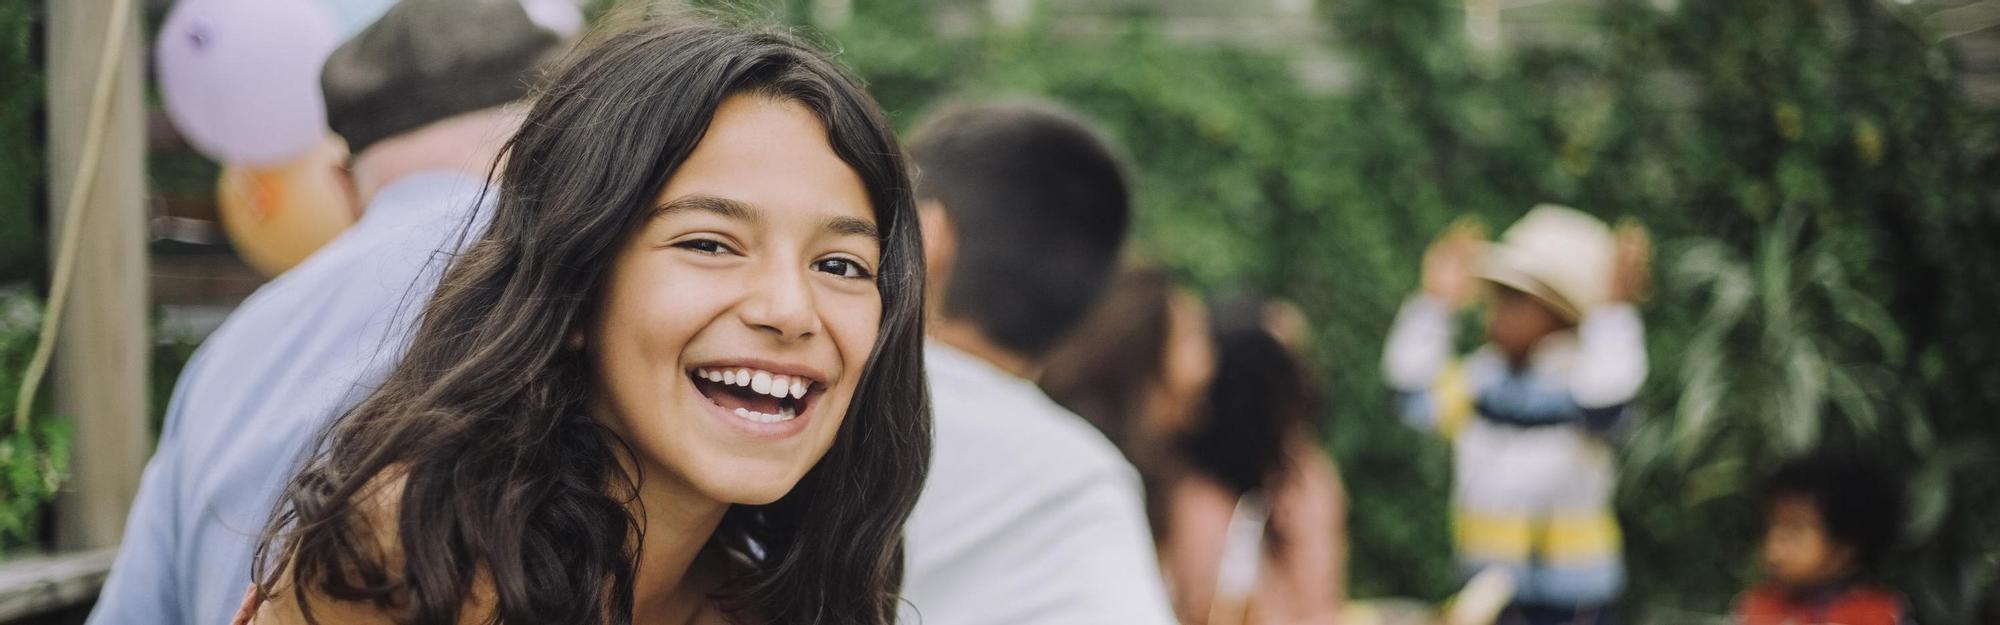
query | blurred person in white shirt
[1030, 515]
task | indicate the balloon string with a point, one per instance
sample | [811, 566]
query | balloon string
[73, 211]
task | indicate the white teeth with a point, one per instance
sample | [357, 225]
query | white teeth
[761, 382]
[784, 414]
[766, 383]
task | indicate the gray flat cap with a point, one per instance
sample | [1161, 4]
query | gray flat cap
[427, 60]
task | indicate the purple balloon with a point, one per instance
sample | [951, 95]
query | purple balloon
[240, 78]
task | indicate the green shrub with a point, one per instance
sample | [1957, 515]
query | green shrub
[34, 460]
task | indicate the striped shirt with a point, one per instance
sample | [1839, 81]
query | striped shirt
[1534, 473]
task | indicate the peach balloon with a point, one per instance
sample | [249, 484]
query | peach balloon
[276, 216]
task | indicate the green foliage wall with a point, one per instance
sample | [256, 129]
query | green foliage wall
[20, 154]
[1825, 202]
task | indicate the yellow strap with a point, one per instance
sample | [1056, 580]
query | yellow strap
[1451, 397]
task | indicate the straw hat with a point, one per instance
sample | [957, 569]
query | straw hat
[1556, 254]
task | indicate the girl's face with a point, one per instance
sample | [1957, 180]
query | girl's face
[735, 323]
[1797, 550]
[1190, 363]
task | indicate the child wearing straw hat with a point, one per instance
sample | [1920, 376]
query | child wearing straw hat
[1532, 413]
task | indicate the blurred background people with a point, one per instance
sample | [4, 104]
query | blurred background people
[1255, 518]
[1247, 511]
[1829, 523]
[1532, 412]
[1030, 515]
[1137, 368]
[421, 97]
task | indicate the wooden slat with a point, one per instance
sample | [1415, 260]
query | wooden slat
[38, 584]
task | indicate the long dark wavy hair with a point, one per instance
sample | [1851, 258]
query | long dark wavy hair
[1263, 397]
[1106, 366]
[508, 481]
[1103, 369]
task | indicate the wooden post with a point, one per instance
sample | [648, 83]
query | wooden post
[103, 351]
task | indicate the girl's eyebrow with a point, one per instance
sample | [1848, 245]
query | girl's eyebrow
[851, 227]
[723, 206]
[740, 211]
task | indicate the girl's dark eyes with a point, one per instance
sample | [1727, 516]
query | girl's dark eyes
[842, 267]
[704, 246]
[845, 268]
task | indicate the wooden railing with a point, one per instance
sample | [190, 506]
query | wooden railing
[35, 585]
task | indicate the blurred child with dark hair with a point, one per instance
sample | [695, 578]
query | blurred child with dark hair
[1532, 415]
[1137, 367]
[1829, 522]
[1256, 520]
[1218, 413]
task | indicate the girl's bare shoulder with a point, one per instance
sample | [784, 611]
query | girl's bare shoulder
[373, 517]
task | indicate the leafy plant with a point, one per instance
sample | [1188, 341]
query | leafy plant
[1769, 347]
[33, 461]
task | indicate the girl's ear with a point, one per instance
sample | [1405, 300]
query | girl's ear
[1840, 556]
[940, 249]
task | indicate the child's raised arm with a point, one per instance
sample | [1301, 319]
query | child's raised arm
[1419, 347]
[1611, 340]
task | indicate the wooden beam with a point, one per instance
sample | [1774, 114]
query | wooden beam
[38, 584]
[103, 351]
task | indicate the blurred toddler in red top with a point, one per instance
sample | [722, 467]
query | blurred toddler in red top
[1829, 520]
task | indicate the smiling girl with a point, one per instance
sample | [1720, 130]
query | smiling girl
[677, 379]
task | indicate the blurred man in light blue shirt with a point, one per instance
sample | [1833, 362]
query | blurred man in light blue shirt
[424, 98]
